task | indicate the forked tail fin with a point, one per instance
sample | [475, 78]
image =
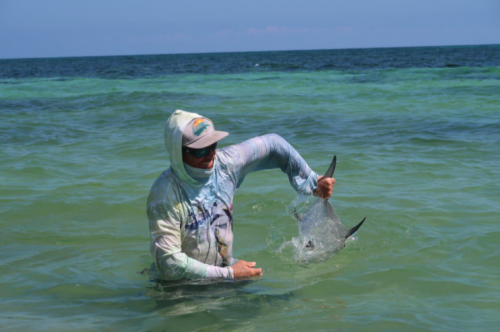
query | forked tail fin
[331, 169]
[355, 228]
[329, 174]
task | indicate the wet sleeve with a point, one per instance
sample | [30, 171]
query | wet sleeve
[268, 152]
[166, 247]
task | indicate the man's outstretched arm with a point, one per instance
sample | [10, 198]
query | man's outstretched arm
[272, 151]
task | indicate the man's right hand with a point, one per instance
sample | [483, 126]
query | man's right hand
[325, 187]
[243, 269]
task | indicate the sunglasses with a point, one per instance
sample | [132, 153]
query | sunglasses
[201, 153]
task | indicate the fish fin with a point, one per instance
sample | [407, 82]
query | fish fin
[310, 245]
[355, 228]
[297, 215]
[331, 169]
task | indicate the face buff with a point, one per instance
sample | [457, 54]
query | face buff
[199, 174]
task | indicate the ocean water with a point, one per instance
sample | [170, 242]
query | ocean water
[417, 135]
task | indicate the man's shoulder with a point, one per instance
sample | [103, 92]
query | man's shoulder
[166, 177]
[164, 188]
[229, 154]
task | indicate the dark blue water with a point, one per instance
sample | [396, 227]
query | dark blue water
[119, 67]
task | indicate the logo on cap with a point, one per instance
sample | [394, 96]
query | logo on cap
[199, 126]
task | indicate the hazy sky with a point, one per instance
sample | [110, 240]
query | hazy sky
[51, 28]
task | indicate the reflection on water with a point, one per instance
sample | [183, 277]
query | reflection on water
[239, 304]
[210, 303]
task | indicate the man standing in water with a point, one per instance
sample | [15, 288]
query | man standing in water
[190, 204]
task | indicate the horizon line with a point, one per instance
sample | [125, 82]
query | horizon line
[261, 51]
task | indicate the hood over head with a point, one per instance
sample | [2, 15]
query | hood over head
[174, 129]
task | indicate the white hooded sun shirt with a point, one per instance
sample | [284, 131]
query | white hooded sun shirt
[190, 210]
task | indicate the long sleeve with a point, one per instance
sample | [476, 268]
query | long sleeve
[166, 246]
[268, 152]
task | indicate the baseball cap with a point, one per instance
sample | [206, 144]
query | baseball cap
[200, 133]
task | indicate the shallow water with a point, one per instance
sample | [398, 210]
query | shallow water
[417, 134]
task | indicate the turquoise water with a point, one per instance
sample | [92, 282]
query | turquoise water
[416, 135]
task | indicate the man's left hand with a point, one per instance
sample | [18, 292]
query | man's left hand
[325, 187]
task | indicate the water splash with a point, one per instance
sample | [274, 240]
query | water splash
[321, 234]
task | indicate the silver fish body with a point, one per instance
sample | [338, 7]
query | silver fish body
[321, 232]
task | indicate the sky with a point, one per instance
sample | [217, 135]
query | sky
[60, 28]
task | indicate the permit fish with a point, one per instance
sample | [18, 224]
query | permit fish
[321, 232]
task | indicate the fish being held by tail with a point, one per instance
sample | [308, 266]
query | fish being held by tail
[321, 232]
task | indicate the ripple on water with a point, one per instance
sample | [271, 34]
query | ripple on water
[417, 155]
